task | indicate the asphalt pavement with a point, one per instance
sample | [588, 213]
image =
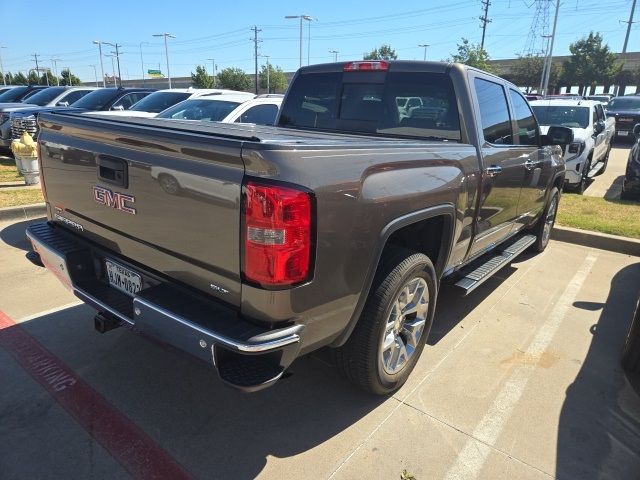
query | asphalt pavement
[520, 380]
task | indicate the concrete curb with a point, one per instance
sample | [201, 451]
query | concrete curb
[23, 212]
[603, 241]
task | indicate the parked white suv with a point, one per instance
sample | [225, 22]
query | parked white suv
[158, 101]
[588, 154]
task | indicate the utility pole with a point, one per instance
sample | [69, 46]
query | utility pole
[54, 62]
[213, 70]
[142, 61]
[95, 72]
[268, 71]
[4, 78]
[335, 55]
[626, 38]
[35, 58]
[424, 45]
[545, 87]
[99, 43]
[544, 65]
[484, 20]
[255, 49]
[118, 61]
[166, 52]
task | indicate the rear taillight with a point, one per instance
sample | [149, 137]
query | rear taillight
[378, 65]
[277, 235]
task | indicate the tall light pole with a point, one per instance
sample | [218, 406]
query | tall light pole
[302, 19]
[99, 43]
[268, 69]
[117, 54]
[95, 72]
[54, 62]
[166, 51]
[4, 79]
[113, 68]
[142, 60]
[335, 54]
[550, 56]
[544, 65]
[309, 19]
[213, 70]
[424, 45]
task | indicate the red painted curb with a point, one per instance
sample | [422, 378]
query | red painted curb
[138, 453]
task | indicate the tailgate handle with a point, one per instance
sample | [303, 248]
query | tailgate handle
[113, 170]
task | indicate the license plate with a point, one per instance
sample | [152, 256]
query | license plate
[623, 133]
[122, 278]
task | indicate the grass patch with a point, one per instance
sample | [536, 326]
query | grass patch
[8, 171]
[616, 217]
[20, 196]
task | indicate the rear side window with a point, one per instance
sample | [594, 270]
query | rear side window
[260, 115]
[398, 104]
[526, 122]
[494, 112]
[74, 96]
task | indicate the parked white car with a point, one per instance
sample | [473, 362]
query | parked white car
[588, 154]
[159, 101]
[228, 108]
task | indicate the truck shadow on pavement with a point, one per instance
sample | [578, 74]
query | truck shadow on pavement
[14, 234]
[599, 426]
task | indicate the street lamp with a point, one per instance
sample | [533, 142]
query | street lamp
[268, 68]
[113, 68]
[95, 72]
[335, 54]
[302, 18]
[166, 51]
[99, 43]
[117, 54]
[4, 79]
[213, 70]
[424, 45]
[142, 61]
[54, 62]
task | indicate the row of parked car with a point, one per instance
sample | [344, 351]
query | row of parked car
[20, 105]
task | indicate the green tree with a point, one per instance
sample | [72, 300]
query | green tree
[591, 63]
[277, 79]
[384, 52]
[20, 79]
[234, 79]
[33, 78]
[473, 55]
[50, 77]
[9, 78]
[68, 78]
[201, 79]
[527, 72]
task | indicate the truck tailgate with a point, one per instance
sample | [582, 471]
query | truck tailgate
[168, 201]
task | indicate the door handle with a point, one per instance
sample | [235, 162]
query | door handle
[530, 164]
[494, 170]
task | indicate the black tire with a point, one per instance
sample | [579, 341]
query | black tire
[631, 351]
[359, 359]
[605, 160]
[542, 239]
[584, 179]
[169, 184]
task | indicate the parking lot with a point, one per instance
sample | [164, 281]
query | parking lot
[520, 380]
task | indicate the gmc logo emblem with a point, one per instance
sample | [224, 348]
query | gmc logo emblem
[114, 199]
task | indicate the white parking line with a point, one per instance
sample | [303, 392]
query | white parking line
[50, 311]
[474, 454]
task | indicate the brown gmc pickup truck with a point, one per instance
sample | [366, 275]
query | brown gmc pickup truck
[249, 246]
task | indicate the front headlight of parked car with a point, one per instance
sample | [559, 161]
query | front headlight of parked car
[576, 148]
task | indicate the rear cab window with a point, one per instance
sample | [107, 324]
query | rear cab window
[390, 104]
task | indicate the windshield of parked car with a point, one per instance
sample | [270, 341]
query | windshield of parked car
[96, 100]
[397, 104]
[624, 103]
[199, 109]
[564, 116]
[12, 95]
[159, 101]
[45, 96]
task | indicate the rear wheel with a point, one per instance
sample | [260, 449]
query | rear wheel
[387, 341]
[169, 184]
[547, 221]
[631, 350]
[605, 160]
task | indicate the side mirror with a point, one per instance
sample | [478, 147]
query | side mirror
[558, 136]
[117, 107]
[636, 131]
[599, 128]
[62, 104]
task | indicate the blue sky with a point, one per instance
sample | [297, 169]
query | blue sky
[221, 30]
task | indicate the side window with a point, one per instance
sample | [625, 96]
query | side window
[125, 102]
[600, 111]
[75, 96]
[260, 114]
[525, 120]
[494, 112]
[136, 97]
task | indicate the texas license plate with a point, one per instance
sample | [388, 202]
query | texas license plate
[623, 133]
[122, 278]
